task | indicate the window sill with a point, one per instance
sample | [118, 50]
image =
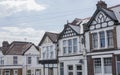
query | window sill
[103, 49]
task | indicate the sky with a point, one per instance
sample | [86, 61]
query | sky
[28, 20]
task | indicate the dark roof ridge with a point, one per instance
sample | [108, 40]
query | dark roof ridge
[114, 6]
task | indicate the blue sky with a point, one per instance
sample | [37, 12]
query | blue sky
[27, 20]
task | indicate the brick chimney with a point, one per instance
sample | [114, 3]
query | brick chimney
[5, 44]
[101, 4]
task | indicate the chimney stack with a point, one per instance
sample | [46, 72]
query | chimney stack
[101, 4]
[5, 44]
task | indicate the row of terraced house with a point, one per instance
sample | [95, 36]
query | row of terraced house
[89, 46]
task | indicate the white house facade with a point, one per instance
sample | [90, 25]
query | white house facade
[71, 58]
[20, 58]
[49, 59]
[102, 41]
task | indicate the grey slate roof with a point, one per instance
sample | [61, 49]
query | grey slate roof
[109, 13]
[75, 28]
[53, 37]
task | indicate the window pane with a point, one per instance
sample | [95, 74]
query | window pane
[47, 54]
[29, 60]
[79, 67]
[97, 65]
[70, 67]
[64, 46]
[118, 57]
[75, 45]
[108, 65]
[102, 39]
[110, 38]
[70, 73]
[70, 45]
[61, 68]
[95, 40]
[79, 73]
[118, 68]
[15, 60]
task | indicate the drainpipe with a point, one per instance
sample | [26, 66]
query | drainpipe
[43, 69]
[85, 54]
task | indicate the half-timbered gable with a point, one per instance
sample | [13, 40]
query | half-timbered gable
[101, 41]
[102, 18]
[69, 31]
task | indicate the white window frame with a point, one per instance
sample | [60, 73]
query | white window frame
[29, 60]
[111, 46]
[29, 73]
[102, 37]
[7, 73]
[79, 70]
[94, 40]
[70, 70]
[1, 61]
[38, 72]
[75, 45]
[117, 61]
[70, 46]
[67, 46]
[15, 72]
[102, 63]
[64, 46]
[15, 60]
[62, 68]
[98, 38]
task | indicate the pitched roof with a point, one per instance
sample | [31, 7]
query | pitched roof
[114, 6]
[53, 37]
[75, 28]
[76, 21]
[106, 11]
[18, 48]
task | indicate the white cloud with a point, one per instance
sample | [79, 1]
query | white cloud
[9, 7]
[19, 34]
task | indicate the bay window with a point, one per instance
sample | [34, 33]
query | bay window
[70, 46]
[102, 39]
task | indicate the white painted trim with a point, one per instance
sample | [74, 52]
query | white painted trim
[102, 56]
[107, 52]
